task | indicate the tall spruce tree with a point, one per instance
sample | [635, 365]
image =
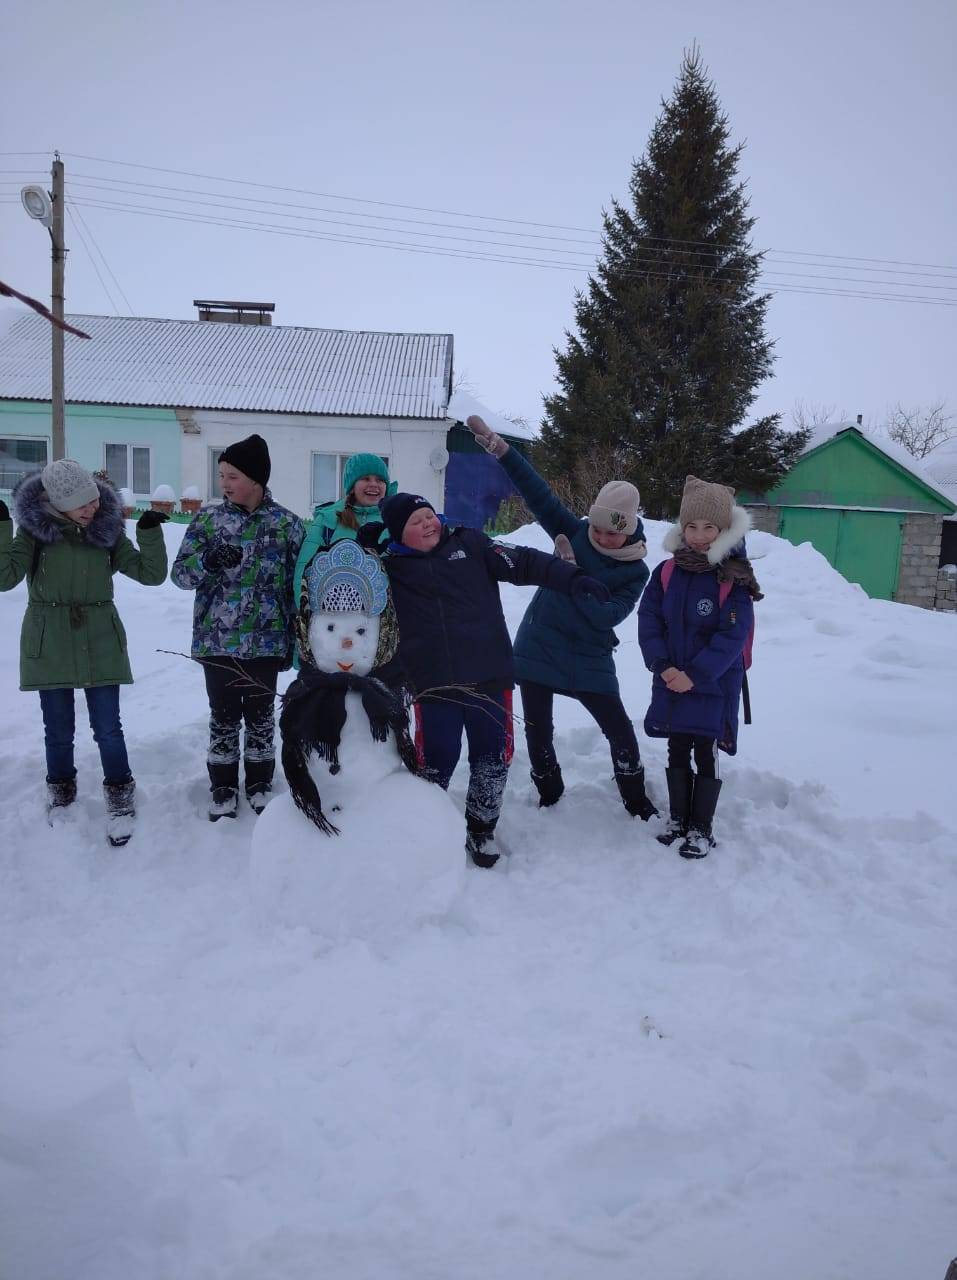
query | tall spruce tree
[670, 345]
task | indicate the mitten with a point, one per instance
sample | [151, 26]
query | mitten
[486, 437]
[221, 555]
[587, 587]
[151, 519]
[563, 549]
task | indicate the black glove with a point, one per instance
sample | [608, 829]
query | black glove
[221, 555]
[588, 587]
[4, 510]
[370, 535]
[151, 519]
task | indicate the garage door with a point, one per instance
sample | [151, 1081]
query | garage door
[862, 545]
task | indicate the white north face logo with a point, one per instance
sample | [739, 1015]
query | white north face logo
[705, 607]
[458, 555]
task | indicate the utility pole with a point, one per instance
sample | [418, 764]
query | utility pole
[58, 390]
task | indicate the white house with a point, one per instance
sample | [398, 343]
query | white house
[155, 401]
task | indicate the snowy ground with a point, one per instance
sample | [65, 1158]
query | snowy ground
[603, 1062]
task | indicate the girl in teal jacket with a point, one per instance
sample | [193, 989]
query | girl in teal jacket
[566, 645]
[365, 486]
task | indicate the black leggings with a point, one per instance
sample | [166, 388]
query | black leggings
[606, 709]
[680, 747]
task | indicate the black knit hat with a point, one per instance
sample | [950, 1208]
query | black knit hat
[251, 457]
[397, 509]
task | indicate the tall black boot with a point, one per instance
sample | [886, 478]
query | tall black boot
[699, 839]
[632, 789]
[258, 782]
[480, 842]
[224, 788]
[120, 811]
[549, 785]
[680, 787]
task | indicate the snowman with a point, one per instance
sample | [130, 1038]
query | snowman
[360, 846]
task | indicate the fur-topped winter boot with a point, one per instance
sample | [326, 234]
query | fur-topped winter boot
[549, 785]
[258, 782]
[120, 811]
[680, 787]
[224, 790]
[61, 793]
[632, 789]
[699, 840]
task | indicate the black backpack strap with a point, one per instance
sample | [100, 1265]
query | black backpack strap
[746, 697]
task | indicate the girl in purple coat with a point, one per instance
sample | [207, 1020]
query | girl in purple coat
[692, 635]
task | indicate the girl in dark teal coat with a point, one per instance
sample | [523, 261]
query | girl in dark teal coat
[567, 646]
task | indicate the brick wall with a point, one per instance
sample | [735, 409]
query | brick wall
[947, 589]
[765, 519]
[920, 553]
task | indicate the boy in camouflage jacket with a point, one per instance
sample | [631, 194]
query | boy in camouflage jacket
[239, 558]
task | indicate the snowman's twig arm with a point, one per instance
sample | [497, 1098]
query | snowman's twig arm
[471, 690]
[239, 681]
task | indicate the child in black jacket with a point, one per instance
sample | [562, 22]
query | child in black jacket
[455, 647]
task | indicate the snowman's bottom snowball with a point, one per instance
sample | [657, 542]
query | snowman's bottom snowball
[398, 861]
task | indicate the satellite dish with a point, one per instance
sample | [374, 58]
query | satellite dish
[439, 458]
[37, 203]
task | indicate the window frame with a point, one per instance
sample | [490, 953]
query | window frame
[13, 437]
[129, 446]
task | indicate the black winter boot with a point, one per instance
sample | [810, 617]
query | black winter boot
[632, 789]
[549, 785]
[61, 793]
[258, 782]
[680, 786]
[224, 788]
[699, 839]
[120, 811]
[480, 841]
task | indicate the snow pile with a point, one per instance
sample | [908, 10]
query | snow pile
[601, 1061]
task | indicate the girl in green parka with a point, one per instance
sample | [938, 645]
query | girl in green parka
[365, 486]
[69, 543]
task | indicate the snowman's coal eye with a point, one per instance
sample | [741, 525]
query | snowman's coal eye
[331, 627]
[361, 631]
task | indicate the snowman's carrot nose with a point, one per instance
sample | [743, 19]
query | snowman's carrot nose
[346, 642]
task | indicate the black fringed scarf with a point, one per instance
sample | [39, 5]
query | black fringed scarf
[312, 719]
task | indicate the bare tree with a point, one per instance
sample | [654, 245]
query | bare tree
[807, 416]
[921, 429]
[462, 381]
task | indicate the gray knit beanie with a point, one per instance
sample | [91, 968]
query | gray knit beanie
[701, 500]
[68, 485]
[615, 510]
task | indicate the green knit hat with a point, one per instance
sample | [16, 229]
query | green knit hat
[362, 464]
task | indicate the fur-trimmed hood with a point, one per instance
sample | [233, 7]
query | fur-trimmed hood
[32, 510]
[724, 544]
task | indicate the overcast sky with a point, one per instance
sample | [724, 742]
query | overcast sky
[521, 110]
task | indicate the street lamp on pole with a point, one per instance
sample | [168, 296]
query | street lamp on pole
[47, 208]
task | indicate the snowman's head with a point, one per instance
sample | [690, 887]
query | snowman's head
[345, 593]
[344, 642]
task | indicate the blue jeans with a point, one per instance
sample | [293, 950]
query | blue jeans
[59, 723]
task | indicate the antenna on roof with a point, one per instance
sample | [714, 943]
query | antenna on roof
[860, 419]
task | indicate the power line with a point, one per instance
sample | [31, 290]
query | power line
[89, 254]
[237, 224]
[552, 226]
[103, 259]
[97, 180]
[733, 273]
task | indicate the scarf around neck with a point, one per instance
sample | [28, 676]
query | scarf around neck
[735, 569]
[630, 551]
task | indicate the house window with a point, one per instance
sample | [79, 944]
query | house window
[129, 466]
[215, 489]
[20, 455]
[327, 475]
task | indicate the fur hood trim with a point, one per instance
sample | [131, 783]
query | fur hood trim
[723, 544]
[32, 510]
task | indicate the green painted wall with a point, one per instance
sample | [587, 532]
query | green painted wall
[848, 471]
[89, 427]
[865, 546]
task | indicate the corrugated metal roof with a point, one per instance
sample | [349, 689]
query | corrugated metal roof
[193, 364]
